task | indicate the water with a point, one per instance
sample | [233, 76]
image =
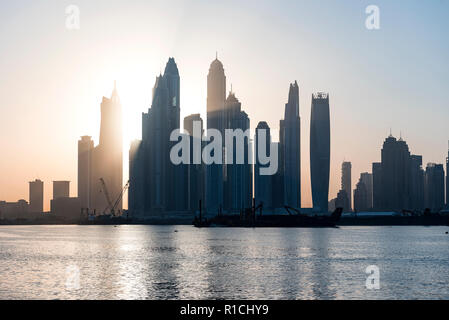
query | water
[180, 262]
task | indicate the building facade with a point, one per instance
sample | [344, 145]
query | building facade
[346, 184]
[36, 196]
[320, 151]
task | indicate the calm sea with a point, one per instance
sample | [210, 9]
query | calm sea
[181, 262]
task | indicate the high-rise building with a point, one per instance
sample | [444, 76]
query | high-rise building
[237, 176]
[342, 201]
[216, 97]
[320, 151]
[196, 169]
[290, 143]
[416, 183]
[367, 179]
[360, 197]
[377, 186]
[263, 184]
[156, 184]
[447, 179]
[396, 162]
[85, 147]
[434, 187]
[61, 189]
[36, 196]
[107, 156]
[346, 183]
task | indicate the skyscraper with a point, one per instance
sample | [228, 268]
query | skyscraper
[85, 147]
[434, 187]
[216, 97]
[346, 183]
[320, 151]
[360, 197]
[290, 143]
[377, 186]
[263, 184]
[367, 179]
[447, 179]
[417, 183]
[107, 157]
[163, 184]
[36, 196]
[237, 176]
[396, 162]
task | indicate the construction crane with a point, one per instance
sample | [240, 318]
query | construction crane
[112, 206]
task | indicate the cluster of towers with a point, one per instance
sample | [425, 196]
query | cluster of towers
[399, 182]
[160, 187]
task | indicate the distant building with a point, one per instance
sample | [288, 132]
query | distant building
[396, 162]
[320, 151]
[367, 179]
[290, 144]
[36, 196]
[188, 123]
[342, 201]
[237, 178]
[66, 208]
[216, 97]
[434, 187]
[13, 210]
[61, 189]
[263, 184]
[360, 197]
[85, 148]
[377, 186]
[416, 183]
[346, 184]
[447, 180]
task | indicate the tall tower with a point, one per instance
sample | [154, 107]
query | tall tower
[216, 97]
[290, 137]
[320, 151]
[263, 184]
[107, 157]
[346, 181]
[36, 196]
[85, 147]
[447, 179]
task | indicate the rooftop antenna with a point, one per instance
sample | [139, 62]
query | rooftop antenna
[216, 55]
[391, 134]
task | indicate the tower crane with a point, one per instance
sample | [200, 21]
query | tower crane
[112, 206]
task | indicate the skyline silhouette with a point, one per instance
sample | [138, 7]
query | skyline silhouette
[372, 78]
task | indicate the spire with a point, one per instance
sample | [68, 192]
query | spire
[114, 95]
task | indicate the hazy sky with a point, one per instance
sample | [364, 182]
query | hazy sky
[52, 79]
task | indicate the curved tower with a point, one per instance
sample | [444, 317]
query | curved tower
[320, 151]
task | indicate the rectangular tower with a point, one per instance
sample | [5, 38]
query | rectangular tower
[36, 196]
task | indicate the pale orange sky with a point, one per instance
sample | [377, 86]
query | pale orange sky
[52, 80]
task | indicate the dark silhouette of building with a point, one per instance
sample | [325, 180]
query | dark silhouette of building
[85, 147]
[105, 161]
[367, 179]
[157, 185]
[346, 184]
[14, 210]
[360, 197]
[61, 189]
[36, 196]
[417, 183]
[216, 97]
[434, 187]
[196, 168]
[447, 179]
[342, 201]
[396, 162]
[237, 175]
[320, 151]
[263, 184]
[290, 144]
[377, 186]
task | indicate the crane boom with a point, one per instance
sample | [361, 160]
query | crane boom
[106, 193]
